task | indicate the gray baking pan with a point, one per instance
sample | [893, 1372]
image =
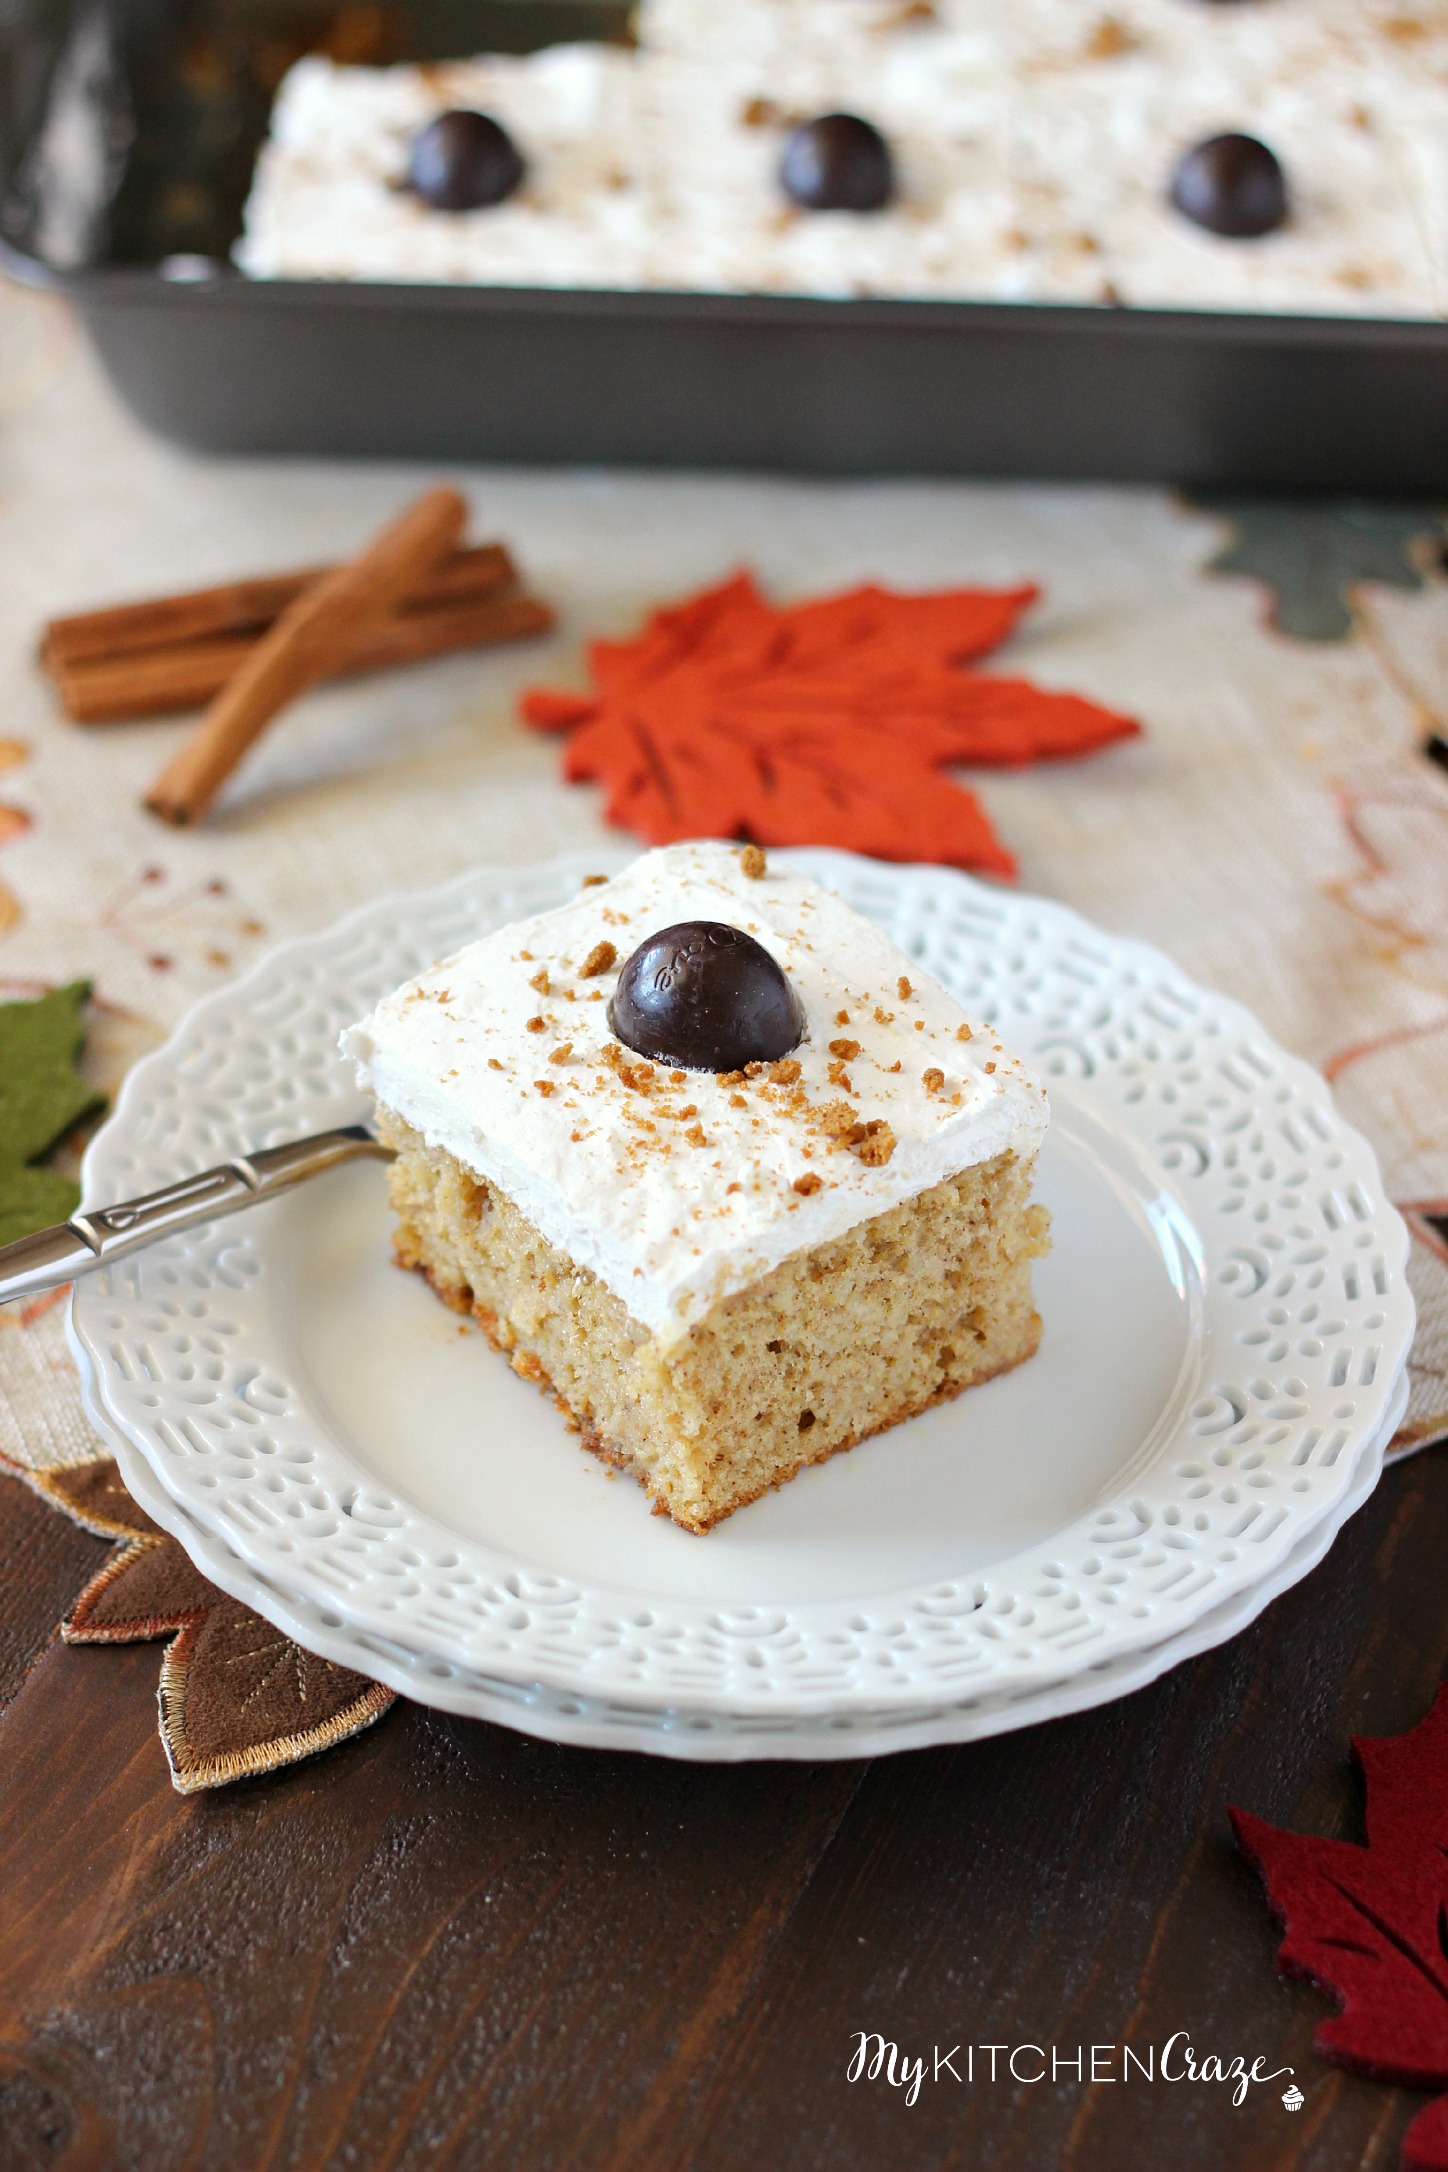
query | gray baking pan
[128, 129]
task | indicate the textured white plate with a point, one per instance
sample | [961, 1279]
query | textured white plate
[1226, 1319]
[722, 1738]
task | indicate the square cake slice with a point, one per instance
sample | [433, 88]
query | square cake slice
[717, 1166]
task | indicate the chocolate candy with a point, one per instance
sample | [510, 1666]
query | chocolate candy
[837, 163]
[1232, 185]
[462, 161]
[705, 997]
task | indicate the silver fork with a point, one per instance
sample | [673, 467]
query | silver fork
[97, 1236]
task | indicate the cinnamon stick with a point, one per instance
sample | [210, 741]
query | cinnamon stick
[303, 646]
[186, 675]
[242, 607]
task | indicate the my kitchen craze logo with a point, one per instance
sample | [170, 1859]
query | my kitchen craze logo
[876, 2059]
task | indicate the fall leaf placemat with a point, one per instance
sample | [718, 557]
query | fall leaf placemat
[237, 1696]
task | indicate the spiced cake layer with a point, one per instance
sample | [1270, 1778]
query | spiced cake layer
[721, 1275]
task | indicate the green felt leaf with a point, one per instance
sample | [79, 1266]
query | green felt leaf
[41, 1099]
[32, 1199]
[1310, 554]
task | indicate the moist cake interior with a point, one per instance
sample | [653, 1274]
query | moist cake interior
[840, 1341]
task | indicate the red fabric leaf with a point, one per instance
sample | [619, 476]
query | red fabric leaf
[826, 722]
[1368, 1926]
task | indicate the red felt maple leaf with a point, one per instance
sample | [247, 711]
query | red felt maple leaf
[823, 723]
[1369, 1925]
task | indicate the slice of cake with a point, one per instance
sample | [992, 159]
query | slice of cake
[717, 1166]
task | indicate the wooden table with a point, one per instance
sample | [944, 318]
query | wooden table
[446, 1944]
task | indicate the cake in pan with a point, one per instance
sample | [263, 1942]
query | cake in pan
[714, 1164]
[1267, 155]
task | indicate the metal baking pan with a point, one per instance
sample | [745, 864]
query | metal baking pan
[128, 129]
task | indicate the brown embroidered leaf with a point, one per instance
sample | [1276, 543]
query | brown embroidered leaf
[828, 722]
[238, 1697]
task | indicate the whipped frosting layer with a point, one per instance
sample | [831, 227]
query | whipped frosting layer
[677, 1188]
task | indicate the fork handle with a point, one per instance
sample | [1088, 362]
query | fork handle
[94, 1238]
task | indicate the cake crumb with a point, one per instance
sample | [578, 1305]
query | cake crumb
[537, 1025]
[839, 1076]
[562, 1052]
[752, 863]
[920, 1025]
[884, 1018]
[903, 989]
[591, 882]
[1110, 39]
[963, 1033]
[544, 1086]
[894, 1067]
[842, 1018]
[990, 1067]
[695, 1135]
[738, 1101]
[539, 980]
[731, 1078]
[677, 1078]
[493, 1064]
[784, 1072]
[877, 1144]
[599, 960]
[809, 1183]
[934, 1080]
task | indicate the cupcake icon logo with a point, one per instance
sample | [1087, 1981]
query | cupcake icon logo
[1293, 2098]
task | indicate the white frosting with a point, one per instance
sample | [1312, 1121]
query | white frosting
[678, 1189]
[1034, 144]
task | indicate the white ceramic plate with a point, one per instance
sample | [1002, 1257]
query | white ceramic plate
[1226, 1315]
[721, 1738]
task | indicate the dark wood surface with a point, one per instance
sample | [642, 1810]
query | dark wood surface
[447, 1945]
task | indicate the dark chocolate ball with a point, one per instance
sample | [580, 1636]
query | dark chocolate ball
[462, 161]
[1232, 185]
[837, 163]
[705, 997]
